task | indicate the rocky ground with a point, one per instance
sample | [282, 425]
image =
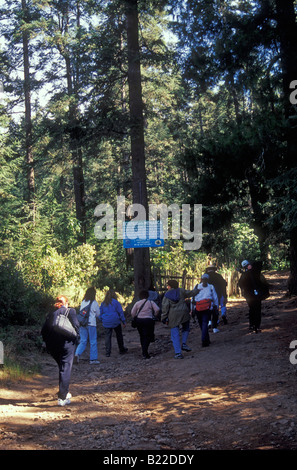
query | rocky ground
[240, 393]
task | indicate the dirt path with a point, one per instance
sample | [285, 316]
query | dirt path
[240, 393]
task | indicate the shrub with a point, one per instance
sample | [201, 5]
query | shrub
[20, 303]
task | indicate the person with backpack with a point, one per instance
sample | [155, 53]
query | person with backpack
[175, 312]
[254, 288]
[204, 302]
[89, 312]
[112, 317]
[144, 312]
[61, 347]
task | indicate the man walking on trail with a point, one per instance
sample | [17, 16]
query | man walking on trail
[220, 285]
[254, 288]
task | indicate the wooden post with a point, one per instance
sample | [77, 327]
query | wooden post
[184, 276]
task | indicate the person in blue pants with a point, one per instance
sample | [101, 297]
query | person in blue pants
[89, 332]
[176, 313]
[61, 348]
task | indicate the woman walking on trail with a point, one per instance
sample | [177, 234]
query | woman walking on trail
[90, 330]
[145, 311]
[205, 301]
[60, 347]
[112, 317]
[175, 312]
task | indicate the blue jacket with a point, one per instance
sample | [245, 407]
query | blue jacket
[111, 315]
[173, 294]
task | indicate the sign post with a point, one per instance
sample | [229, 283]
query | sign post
[143, 234]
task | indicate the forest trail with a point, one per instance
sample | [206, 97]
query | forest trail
[240, 393]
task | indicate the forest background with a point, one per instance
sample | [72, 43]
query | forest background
[218, 124]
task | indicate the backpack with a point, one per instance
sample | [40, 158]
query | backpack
[83, 315]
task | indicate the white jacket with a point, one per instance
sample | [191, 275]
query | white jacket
[94, 312]
[207, 292]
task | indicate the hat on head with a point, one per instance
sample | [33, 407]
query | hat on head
[205, 276]
[172, 283]
[210, 267]
[245, 263]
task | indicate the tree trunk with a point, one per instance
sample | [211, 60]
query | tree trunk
[258, 198]
[142, 275]
[287, 31]
[75, 144]
[79, 188]
[292, 284]
[28, 118]
[78, 175]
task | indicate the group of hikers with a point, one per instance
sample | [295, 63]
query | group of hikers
[175, 308]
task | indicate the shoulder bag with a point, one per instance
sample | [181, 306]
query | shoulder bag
[63, 325]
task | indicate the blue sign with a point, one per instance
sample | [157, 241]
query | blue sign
[143, 234]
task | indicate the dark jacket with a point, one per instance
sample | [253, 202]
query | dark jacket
[219, 284]
[52, 338]
[253, 285]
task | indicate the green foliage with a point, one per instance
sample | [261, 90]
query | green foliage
[214, 135]
[20, 302]
[81, 272]
[231, 245]
[30, 284]
[245, 242]
[55, 273]
[235, 153]
[113, 268]
[174, 259]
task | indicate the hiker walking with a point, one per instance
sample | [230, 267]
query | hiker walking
[254, 288]
[144, 312]
[112, 317]
[60, 347]
[88, 331]
[176, 313]
[204, 302]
